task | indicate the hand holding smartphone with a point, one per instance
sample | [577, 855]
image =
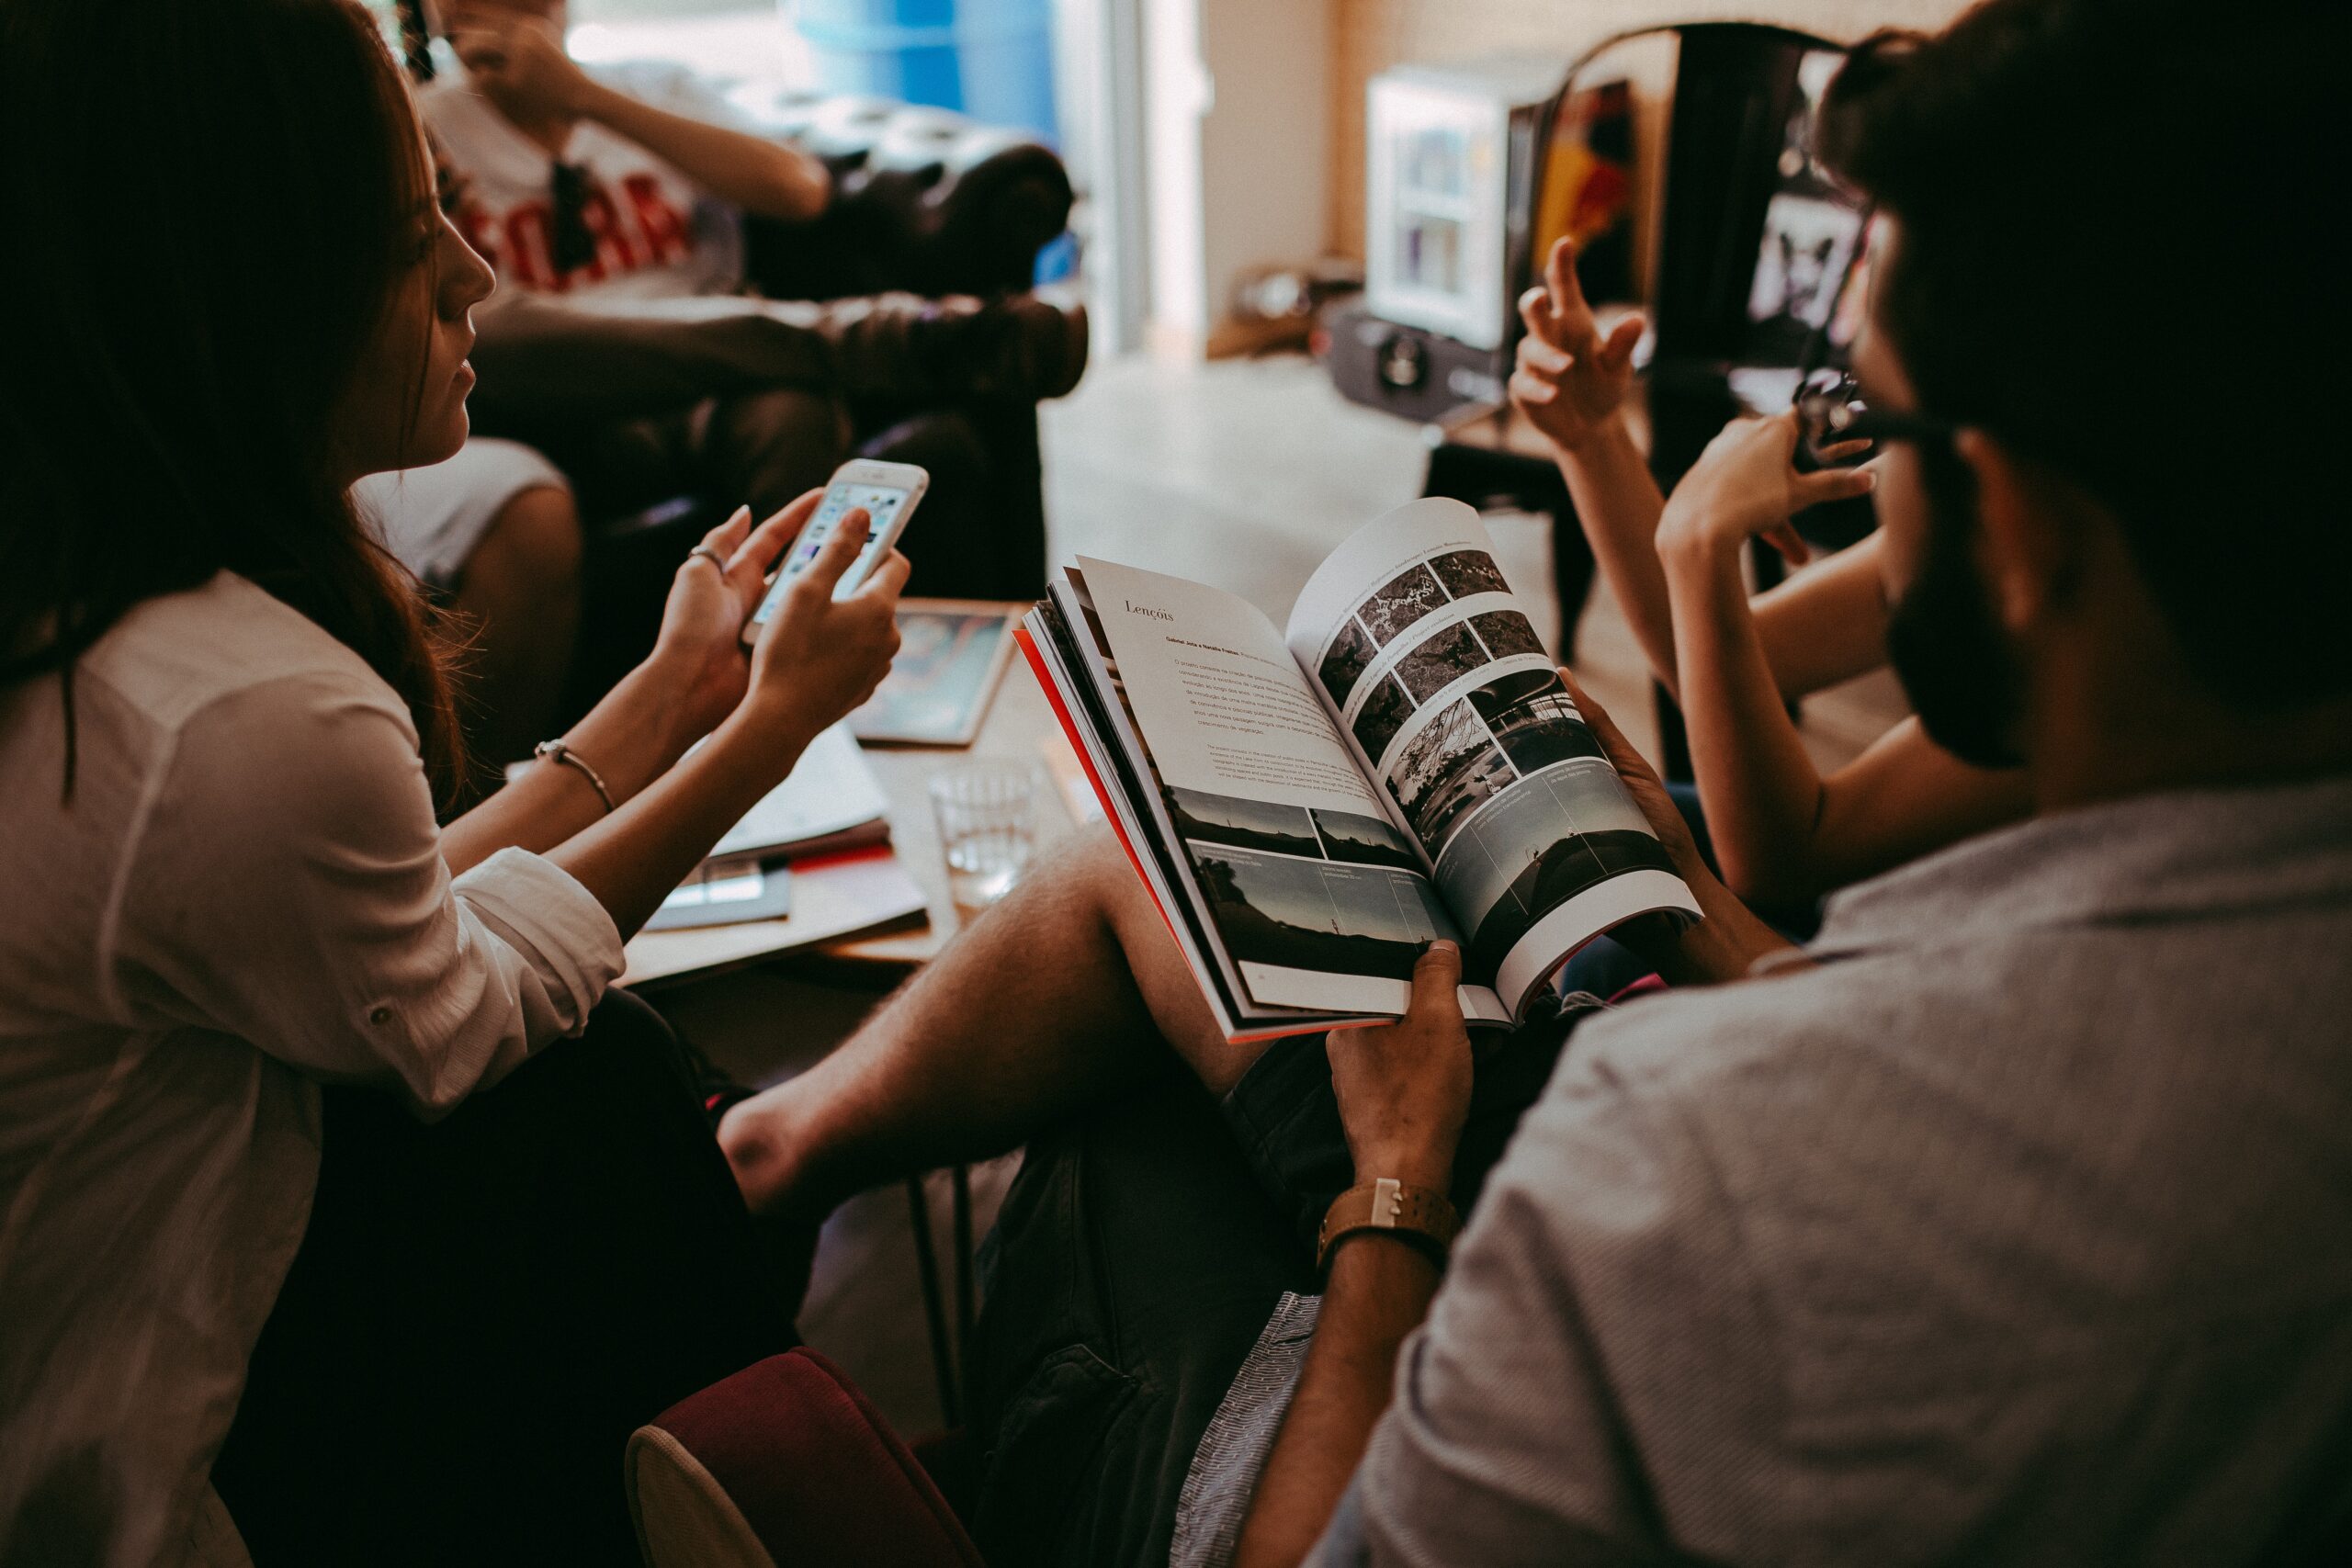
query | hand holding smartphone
[887, 491]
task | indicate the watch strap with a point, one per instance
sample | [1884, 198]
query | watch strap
[1420, 1215]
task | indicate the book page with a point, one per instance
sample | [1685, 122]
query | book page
[1440, 686]
[1317, 896]
[830, 793]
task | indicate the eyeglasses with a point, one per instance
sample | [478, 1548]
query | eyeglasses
[1831, 411]
[573, 243]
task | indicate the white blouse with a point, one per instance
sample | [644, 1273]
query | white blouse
[243, 896]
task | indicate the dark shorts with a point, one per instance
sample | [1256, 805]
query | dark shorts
[1139, 1255]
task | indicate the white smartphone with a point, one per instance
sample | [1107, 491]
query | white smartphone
[888, 491]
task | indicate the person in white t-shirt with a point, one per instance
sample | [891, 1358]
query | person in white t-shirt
[620, 358]
[578, 182]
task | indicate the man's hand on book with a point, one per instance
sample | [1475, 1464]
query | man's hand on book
[1642, 783]
[1728, 939]
[1404, 1088]
[1570, 379]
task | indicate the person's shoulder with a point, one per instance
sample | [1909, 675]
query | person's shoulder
[475, 136]
[449, 98]
[1683, 1040]
[180, 655]
[449, 108]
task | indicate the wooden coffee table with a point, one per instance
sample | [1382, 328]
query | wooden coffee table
[1018, 728]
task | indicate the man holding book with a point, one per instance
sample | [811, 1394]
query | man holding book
[2007, 1223]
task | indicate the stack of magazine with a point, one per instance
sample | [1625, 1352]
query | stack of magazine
[1311, 807]
[829, 804]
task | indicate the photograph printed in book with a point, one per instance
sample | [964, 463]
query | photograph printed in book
[1383, 713]
[1511, 793]
[1506, 634]
[1447, 654]
[1535, 721]
[1465, 573]
[1551, 837]
[1440, 659]
[1369, 840]
[1397, 605]
[1400, 602]
[1296, 889]
[1451, 768]
[1302, 914]
[1344, 663]
[1244, 824]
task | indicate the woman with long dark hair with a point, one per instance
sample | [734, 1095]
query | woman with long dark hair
[229, 293]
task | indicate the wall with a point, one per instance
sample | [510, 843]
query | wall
[1369, 36]
[1236, 97]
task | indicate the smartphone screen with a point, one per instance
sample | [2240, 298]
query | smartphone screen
[881, 503]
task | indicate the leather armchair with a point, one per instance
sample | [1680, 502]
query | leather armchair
[927, 202]
[923, 200]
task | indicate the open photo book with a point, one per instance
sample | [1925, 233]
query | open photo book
[1311, 806]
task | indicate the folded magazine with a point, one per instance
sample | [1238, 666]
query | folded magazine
[1311, 806]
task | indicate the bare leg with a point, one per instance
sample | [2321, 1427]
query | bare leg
[1063, 993]
[520, 588]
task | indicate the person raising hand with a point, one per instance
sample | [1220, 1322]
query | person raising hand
[514, 57]
[1785, 833]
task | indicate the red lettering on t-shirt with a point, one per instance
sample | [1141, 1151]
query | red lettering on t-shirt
[642, 230]
[616, 252]
[529, 250]
[662, 225]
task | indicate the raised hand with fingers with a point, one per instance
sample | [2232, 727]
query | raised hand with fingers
[1641, 781]
[1747, 484]
[1569, 380]
[820, 657]
[1404, 1088]
[699, 648]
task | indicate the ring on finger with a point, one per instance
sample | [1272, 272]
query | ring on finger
[713, 557]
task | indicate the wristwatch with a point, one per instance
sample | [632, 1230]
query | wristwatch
[1420, 1215]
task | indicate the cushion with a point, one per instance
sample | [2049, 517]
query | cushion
[783, 1464]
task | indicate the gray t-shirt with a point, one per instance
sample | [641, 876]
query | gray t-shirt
[2021, 1231]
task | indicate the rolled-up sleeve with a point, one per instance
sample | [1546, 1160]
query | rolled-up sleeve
[284, 884]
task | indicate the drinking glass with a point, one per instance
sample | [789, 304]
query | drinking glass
[986, 814]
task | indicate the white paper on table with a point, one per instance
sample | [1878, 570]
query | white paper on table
[831, 791]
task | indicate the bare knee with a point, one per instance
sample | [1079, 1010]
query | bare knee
[1112, 892]
[1088, 875]
[532, 550]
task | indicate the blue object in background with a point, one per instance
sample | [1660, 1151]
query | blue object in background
[1058, 259]
[992, 60]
